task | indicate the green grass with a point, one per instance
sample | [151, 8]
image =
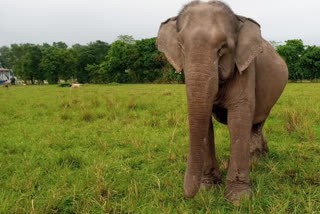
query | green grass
[122, 149]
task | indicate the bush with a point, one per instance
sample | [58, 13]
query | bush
[65, 84]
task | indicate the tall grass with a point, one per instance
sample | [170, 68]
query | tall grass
[122, 149]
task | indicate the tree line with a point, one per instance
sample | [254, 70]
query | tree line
[125, 61]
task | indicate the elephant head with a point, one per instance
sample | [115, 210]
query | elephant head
[209, 43]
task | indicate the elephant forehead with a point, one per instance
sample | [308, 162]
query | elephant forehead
[202, 35]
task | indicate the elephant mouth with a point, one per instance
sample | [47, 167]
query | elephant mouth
[221, 82]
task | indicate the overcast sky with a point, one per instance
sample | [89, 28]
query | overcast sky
[82, 21]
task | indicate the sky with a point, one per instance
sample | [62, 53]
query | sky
[84, 21]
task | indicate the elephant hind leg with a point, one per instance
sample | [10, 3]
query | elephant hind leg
[258, 146]
[210, 171]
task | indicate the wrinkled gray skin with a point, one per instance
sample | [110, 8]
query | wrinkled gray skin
[232, 73]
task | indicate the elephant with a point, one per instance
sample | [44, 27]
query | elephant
[232, 74]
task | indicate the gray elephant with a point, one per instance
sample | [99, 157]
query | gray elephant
[232, 73]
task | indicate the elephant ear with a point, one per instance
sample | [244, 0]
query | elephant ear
[167, 43]
[249, 43]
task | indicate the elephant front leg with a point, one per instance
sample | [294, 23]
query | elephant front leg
[237, 182]
[210, 172]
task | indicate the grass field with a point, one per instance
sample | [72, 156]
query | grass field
[122, 149]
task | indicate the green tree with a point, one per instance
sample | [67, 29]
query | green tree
[58, 63]
[92, 54]
[121, 56]
[147, 66]
[84, 57]
[16, 62]
[68, 68]
[31, 63]
[50, 64]
[6, 57]
[310, 63]
[97, 73]
[60, 45]
[291, 53]
[126, 39]
[24, 59]
[99, 49]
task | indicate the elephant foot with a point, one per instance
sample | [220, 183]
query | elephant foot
[258, 153]
[235, 192]
[208, 180]
[191, 185]
[258, 146]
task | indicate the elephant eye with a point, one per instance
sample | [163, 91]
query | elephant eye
[223, 49]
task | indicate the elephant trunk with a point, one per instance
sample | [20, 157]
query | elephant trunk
[202, 87]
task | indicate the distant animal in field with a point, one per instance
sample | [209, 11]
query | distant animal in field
[75, 85]
[6, 84]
